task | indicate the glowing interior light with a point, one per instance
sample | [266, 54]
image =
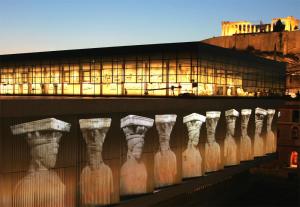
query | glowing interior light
[294, 159]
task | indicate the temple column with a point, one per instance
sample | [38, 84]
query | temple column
[270, 137]
[230, 146]
[191, 157]
[212, 148]
[245, 143]
[258, 140]
[41, 186]
[96, 180]
[133, 178]
[165, 162]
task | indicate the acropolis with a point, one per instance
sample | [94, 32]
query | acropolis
[245, 27]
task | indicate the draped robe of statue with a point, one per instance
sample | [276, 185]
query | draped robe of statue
[191, 157]
[165, 163]
[230, 146]
[270, 137]
[96, 180]
[133, 178]
[245, 142]
[41, 186]
[212, 148]
[258, 140]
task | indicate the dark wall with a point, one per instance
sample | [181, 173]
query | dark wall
[15, 155]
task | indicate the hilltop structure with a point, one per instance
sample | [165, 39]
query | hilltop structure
[245, 27]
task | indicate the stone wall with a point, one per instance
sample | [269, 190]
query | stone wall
[289, 42]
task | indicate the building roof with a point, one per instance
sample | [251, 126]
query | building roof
[203, 49]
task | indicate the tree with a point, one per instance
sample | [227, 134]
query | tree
[279, 26]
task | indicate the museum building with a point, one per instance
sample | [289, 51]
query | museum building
[133, 142]
[171, 69]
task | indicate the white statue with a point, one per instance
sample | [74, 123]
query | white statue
[41, 186]
[165, 163]
[230, 146]
[212, 148]
[191, 157]
[133, 178]
[245, 144]
[270, 137]
[258, 140]
[96, 180]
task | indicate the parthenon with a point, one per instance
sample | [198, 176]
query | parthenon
[245, 27]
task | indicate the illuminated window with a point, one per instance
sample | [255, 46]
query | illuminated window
[95, 73]
[55, 74]
[156, 72]
[184, 71]
[130, 72]
[86, 76]
[294, 159]
[107, 73]
[24, 77]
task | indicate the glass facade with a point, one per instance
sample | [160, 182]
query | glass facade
[170, 71]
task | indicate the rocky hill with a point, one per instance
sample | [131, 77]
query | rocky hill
[279, 46]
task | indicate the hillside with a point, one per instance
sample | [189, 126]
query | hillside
[283, 47]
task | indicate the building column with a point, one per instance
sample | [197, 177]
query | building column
[96, 180]
[271, 30]
[191, 157]
[270, 137]
[258, 140]
[40, 186]
[165, 162]
[133, 178]
[230, 146]
[245, 142]
[212, 148]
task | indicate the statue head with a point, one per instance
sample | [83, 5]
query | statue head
[194, 131]
[231, 116]
[135, 141]
[94, 133]
[212, 118]
[245, 113]
[259, 119]
[44, 148]
[194, 122]
[43, 138]
[135, 128]
[164, 125]
[94, 139]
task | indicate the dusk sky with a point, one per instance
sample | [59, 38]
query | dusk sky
[36, 25]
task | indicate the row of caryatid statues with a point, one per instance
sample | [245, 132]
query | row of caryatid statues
[43, 187]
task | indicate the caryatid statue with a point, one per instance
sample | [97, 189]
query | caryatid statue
[96, 180]
[230, 146]
[134, 176]
[191, 157]
[41, 186]
[258, 140]
[270, 137]
[245, 142]
[165, 162]
[212, 157]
